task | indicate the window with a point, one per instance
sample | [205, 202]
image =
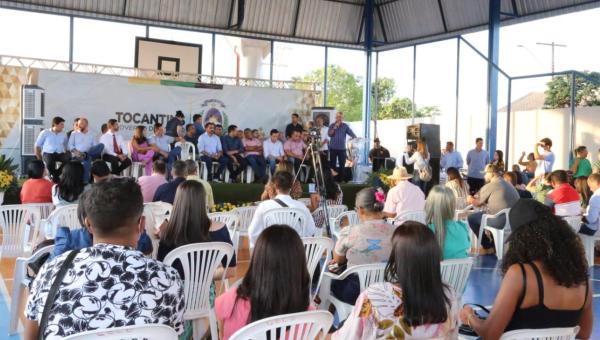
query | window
[297, 61]
[199, 38]
[251, 57]
[345, 81]
[34, 35]
[105, 42]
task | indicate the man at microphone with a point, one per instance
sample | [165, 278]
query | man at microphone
[337, 144]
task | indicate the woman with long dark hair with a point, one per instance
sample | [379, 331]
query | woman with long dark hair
[546, 280]
[413, 302]
[459, 187]
[277, 282]
[584, 191]
[498, 160]
[189, 223]
[141, 151]
[70, 185]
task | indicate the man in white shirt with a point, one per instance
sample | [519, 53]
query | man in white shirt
[283, 184]
[115, 148]
[324, 130]
[161, 144]
[273, 150]
[50, 147]
[211, 150]
[546, 158]
[83, 147]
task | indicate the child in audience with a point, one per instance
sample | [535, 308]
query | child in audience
[277, 282]
[413, 302]
[546, 280]
[452, 236]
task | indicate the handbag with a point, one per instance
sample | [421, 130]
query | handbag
[425, 173]
[53, 291]
[465, 329]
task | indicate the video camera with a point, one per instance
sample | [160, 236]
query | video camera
[314, 134]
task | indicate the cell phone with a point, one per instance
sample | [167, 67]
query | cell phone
[312, 188]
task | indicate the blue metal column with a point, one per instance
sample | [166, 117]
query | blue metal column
[366, 118]
[492, 90]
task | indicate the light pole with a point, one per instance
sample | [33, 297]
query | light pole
[552, 45]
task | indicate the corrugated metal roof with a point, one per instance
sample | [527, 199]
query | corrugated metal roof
[328, 22]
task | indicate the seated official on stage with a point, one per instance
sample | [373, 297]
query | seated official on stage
[211, 150]
[253, 147]
[273, 150]
[294, 149]
[50, 147]
[283, 185]
[161, 144]
[197, 121]
[190, 134]
[293, 126]
[115, 148]
[377, 155]
[141, 151]
[234, 149]
[83, 147]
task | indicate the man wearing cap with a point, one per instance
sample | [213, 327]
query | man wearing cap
[496, 194]
[403, 196]
[175, 125]
[377, 155]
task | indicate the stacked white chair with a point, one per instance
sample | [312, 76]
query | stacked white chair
[336, 222]
[417, 216]
[314, 248]
[188, 151]
[61, 216]
[22, 281]
[297, 326]
[146, 332]
[568, 333]
[245, 215]
[456, 272]
[498, 234]
[16, 222]
[292, 217]
[367, 275]
[199, 262]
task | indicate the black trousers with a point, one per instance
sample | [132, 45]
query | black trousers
[50, 160]
[117, 166]
[235, 171]
[338, 157]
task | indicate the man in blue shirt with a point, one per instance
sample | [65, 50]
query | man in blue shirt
[451, 158]
[166, 192]
[477, 159]
[50, 147]
[337, 144]
[197, 120]
[83, 148]
[592, 214]
[234, 149]
[211, 150]
[161, 144]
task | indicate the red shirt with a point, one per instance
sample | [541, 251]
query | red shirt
[564, 193]
[36, 191]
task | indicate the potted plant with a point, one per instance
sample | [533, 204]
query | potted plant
[7, 178]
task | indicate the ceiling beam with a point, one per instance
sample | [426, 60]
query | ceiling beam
[362, 25]
[443, 16]
[296, 15]
[382, 24]
[345, 2]
[124, 11]
[515, 9]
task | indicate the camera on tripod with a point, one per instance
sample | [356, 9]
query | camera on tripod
[314, 134]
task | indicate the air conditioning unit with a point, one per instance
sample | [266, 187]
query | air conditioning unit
[32, 117]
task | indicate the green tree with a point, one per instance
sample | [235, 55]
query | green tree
[558, 94]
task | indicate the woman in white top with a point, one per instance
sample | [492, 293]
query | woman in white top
[70, 185]
[420, 159]
[459, 187]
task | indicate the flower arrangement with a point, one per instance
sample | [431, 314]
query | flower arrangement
[6, 180]
[227, 206]
[380, 179]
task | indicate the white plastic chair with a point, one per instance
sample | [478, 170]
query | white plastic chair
[188, 151]
[497, 234]
[17, 238]
[45, 208]
[62, 216]
[20, 282]
[151, 229]
[417, 216]
[160, 210]
[231, 220]
[199, 262]
[305, 200]
[292, 217]
[336, 222]
[314, 248]
[367, 275]
[567, 333]
[456, 272]
[136, 170]
[146, 332]
[567, 209]
[296, 326]
[245, 215]
[588, 245]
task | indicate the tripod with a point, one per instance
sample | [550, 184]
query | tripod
[313, 152]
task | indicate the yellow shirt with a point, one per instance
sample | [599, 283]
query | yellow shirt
[210, 200]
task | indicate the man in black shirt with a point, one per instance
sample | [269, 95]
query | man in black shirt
[190, 134]
[293, 126]
[175, 125]
[378, 154]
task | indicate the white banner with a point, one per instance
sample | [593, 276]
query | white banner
[135, 102]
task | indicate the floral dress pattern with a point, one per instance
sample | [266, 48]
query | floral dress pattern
[378, 314]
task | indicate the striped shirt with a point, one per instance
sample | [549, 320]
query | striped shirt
[337, 136]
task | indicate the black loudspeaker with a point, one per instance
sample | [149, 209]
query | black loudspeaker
[430, 134]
